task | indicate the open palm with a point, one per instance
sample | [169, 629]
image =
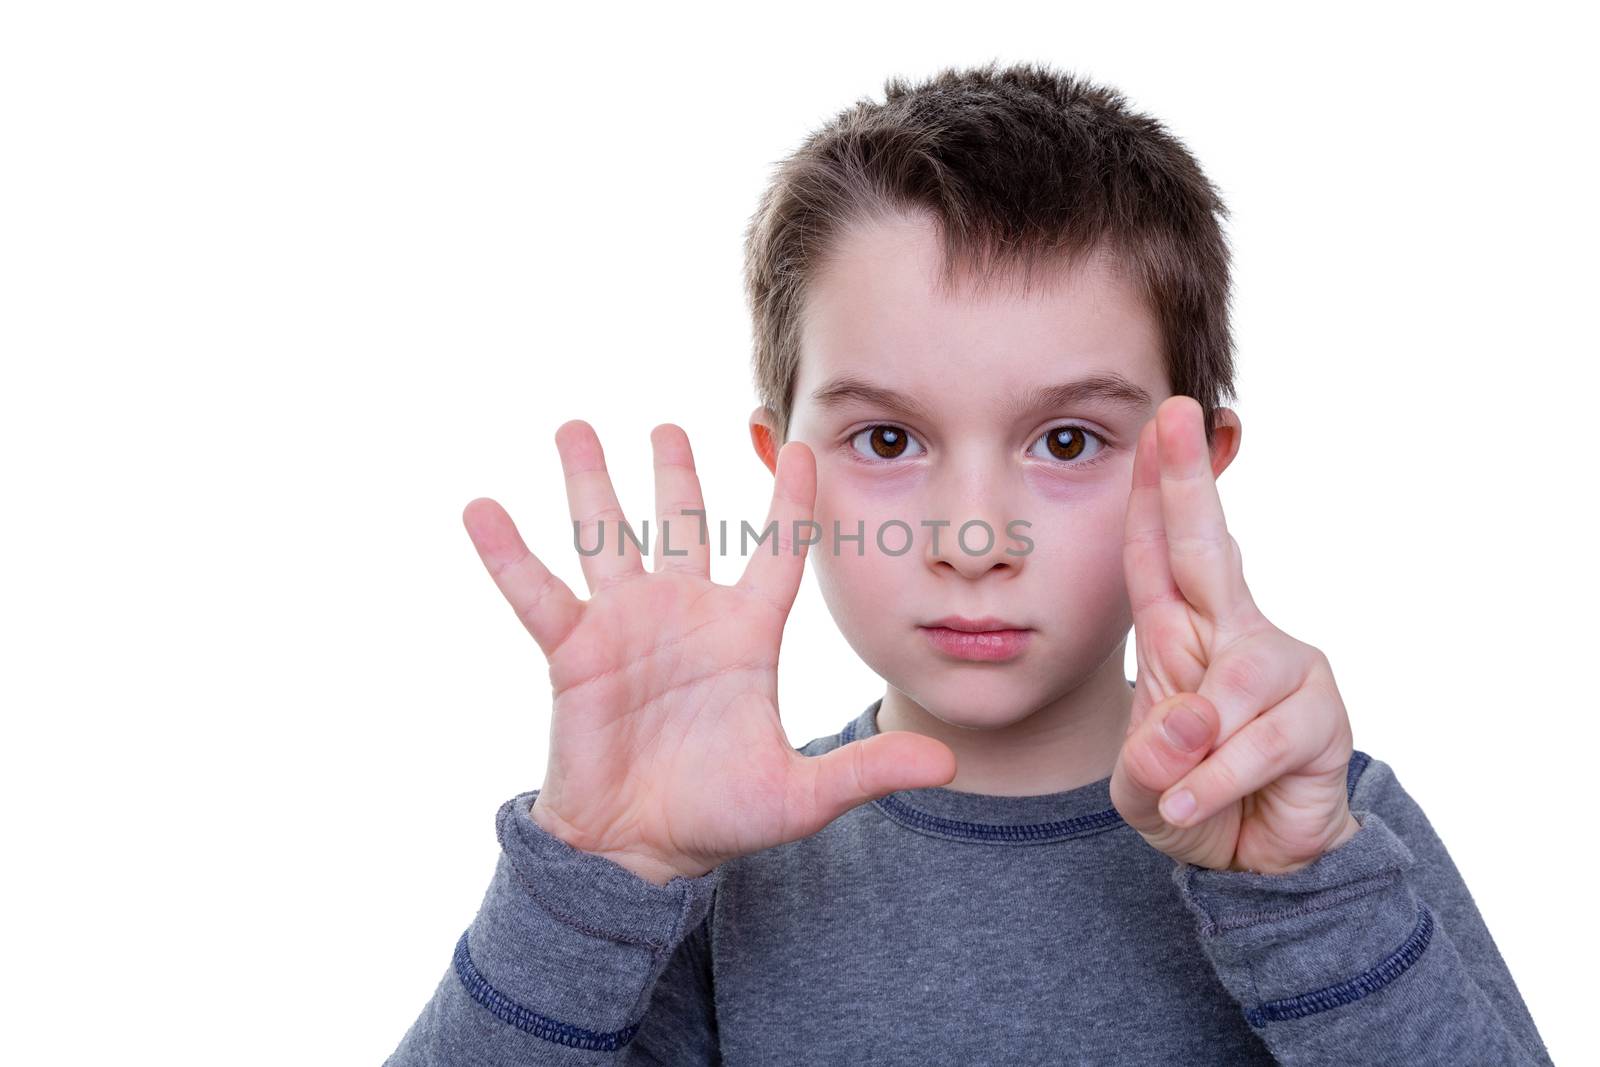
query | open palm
[667, 753]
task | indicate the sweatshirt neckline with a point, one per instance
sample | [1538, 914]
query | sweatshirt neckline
[987, 818]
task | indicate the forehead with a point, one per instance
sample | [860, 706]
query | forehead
[877, 310]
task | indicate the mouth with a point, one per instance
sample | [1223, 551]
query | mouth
[988, 639]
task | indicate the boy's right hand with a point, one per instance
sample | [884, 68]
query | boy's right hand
[666, 751]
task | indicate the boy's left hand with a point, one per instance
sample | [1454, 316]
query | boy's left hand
[1268, 740]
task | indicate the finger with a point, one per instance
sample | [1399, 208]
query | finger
[864, 770]
[1202, 554]
[1144, 539]
[775, 567]
[681, 543]
[1276, 743]
[1253, 674]
[592, 502]
[541, 600]
[1174, 737]
[1151, 591]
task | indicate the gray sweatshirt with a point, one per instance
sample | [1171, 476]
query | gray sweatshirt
[940, 927]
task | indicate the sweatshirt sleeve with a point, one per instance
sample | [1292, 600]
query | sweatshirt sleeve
[1372, 953]
[572, 959]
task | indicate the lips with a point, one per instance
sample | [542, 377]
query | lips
[974, 626]
[988, 639]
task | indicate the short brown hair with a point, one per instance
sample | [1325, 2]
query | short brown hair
[1019, 167]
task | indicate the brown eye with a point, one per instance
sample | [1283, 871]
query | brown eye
[886, 441]
[1069, 442]
[883, 441]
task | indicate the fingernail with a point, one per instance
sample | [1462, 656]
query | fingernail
[1185, 729]
[1178, 807]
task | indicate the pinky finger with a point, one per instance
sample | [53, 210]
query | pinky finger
[542, 601]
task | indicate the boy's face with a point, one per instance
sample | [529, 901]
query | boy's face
[981, 444]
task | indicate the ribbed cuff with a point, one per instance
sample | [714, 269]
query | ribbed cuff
[1332, 932]
[569, 944]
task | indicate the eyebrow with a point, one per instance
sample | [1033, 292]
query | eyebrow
[1110, 389]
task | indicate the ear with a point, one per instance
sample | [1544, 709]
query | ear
[1224, 440]
[764, 436]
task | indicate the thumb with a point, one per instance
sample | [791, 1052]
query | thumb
[1171, 740]
[876, 766]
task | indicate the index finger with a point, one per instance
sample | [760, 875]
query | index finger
[1203, 556]
[775, 575]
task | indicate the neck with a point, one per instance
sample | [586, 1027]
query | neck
[1069, 742]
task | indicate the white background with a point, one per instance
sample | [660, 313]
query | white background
[286, 285]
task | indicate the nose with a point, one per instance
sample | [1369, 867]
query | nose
[968, 533]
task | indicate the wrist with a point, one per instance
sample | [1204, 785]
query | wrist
[652, 869]
[1350, 829]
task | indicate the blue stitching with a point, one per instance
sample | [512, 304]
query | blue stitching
[508, 1010]
[1081, 825]
[1355, 988]
[1077, 826]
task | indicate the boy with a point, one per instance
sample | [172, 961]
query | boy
[991, 341]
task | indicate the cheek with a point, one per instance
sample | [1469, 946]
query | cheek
[857, 579]
[853, 492]
[860, 592]
[1077, 530]
[865, 502]
[1106, 486]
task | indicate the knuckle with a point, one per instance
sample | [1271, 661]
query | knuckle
[679, 509]
[858, 771]
[1241, 673]
[611, 513]
[537, 598]
[1145, 767]
[1223, 778]
[1199, 546]
[1270, 742]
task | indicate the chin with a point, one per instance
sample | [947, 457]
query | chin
[984, 719]
[974, 699]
